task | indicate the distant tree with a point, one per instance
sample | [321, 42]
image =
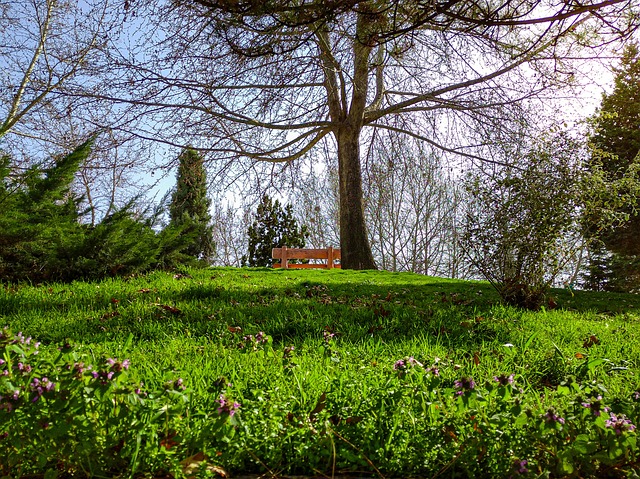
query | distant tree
[273, 227]
[616, 145]
[190, 205]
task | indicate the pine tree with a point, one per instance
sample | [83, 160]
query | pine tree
[190, 205]
[273, 227]
[616, 144]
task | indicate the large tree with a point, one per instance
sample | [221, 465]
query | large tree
[271, 80]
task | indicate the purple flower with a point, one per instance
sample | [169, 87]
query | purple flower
[636, 395]
[520, 467]
[619, 423]
[434, 370]
[464, 385]
[328, 335]
[227, 407]
[596, 406]
[503, 379]
[399, 365]
[404, 364]
[25, 368]
[551, 417]
[40, 386]
[139, 391]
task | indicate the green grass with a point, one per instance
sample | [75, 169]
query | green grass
[187, 326]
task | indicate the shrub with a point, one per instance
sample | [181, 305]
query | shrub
[521, 222]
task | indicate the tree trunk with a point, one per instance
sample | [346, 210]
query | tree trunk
[354, 241]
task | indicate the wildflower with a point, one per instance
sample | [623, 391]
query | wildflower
[139, 390]
[404, 364]
[636, 395]
[288, 351]
[328, 336]
[503, 379]
[434, 370]
[520, 467]
[24, 368]
[464, 384]
[619, 423]
[399, 365]
[40, 386]
[103, 376]
[227, 407]
[596, 406]
[551, 417]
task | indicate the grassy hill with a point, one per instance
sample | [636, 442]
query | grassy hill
[388, 374]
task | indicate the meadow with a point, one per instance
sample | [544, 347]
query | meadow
[229, 371]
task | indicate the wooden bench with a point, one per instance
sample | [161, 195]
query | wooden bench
[284, 254]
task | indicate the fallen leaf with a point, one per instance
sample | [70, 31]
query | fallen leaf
[170, 309]
[591, 341]
[322, 401]
[476, 358]
[197, 464]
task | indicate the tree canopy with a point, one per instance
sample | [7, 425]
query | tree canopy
[272, 80]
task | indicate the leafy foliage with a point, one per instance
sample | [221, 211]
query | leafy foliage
[273, 227]
[62, 415]
[190, 205]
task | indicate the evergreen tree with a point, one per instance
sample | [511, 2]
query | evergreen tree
[273, 227]
[42, 239]
[39, 226]
[616, 144]
[190, 205]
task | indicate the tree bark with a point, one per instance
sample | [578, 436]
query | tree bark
[354, 241]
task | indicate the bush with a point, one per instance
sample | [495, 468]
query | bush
[521, 222]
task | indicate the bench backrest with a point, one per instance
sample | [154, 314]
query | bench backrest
[284, 254]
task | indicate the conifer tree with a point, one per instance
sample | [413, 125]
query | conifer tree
[616, 144]
[273, 227]
[190, 205]
[42, 239]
